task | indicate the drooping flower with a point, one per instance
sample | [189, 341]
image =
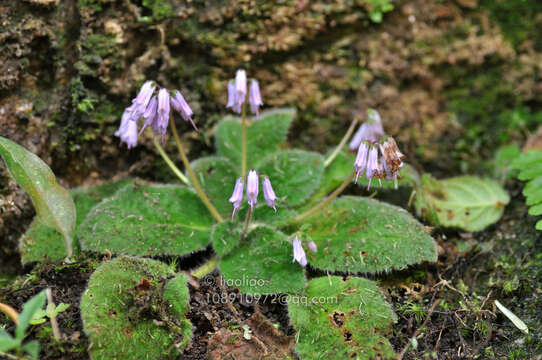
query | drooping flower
[127, 131]
[163, 111]
[150, 115]
[237, 196]
[299, 253]
[179, 104]
[231, 95]
[392, 159]
[139, 104]
[240, 90]
[361, 159]
[372, 165]
[312, 246]
[254, 97]
[371, 130]
[268, 193]
[252, 188]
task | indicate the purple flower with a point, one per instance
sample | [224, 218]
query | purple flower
[371, 130]
[139, 104]
[163, 111]
[268, 193]
[237, 196]
[127, 131]
[372, 165]
[240, 87]
[150, 114]
[299, 253]
[231, 95]
[179, 104]
[312, 246]
[361, 159]
[252, 188]
[254, 97]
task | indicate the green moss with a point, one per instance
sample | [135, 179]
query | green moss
[518, 19]
[129, 313]
[161, 9]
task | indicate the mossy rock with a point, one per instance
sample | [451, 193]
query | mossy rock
[133, 310]
[341, 319]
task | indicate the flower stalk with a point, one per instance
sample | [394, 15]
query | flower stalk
[339, 147]
[244, 142]
[203, 196]
[169, 162]
[324, 202]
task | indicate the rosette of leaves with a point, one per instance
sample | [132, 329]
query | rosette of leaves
[353, 234]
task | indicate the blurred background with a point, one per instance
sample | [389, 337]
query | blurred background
[453, 80]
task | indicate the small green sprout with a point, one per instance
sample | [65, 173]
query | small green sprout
[9, 343]
[50, 311]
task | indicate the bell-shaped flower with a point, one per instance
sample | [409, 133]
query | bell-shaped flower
[268, 193]
[240, 87]
[163, 111]
[254, 97]
[252, 188]
[139, 104]
[312, 246]
[127, 131]
[237, 196]
[299, 253]
[371, 130]
[372, 165]
[179, 104]
[361, 159]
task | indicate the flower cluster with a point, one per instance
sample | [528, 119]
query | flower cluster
[369, 139]
[154, 110]
[237, 92]
[252, 192]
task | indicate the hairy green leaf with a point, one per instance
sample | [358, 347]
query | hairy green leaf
[217, 176]
[263, 136]
[262, 264]
[146, 220]
[356, 234]
[54, 204]
[337, 319]
[295, 174]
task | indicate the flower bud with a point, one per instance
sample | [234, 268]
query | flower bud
[312, 246]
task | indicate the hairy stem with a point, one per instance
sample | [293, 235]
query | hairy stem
[341, 144]
[169, 162]
[205, 268]
[244, 142]
[192, 175]
[324, 202]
